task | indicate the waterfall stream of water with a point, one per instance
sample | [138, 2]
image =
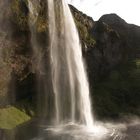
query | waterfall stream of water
[69, 78]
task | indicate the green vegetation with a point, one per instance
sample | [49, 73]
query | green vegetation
[118, 93]
[19, 16]
[137, 61]
[41, 24]
[84, 33]
[27, 106]
[10, 117]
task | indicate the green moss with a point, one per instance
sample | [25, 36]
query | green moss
[10, 117]
[19, 16]
[84, 33]
[41, 24]
[137, 61]
[27, 106]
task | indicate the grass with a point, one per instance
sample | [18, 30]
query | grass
[10, 117]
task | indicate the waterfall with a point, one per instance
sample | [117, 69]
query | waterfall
[70, 85]
[70, 89]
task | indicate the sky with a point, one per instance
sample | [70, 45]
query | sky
[129, 10]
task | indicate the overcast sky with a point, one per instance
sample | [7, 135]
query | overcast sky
[129, 10]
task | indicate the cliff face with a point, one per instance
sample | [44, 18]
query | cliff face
[16, 53]
[84, 25]
[111, 49]
[113, 65]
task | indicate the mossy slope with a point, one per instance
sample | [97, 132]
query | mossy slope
[10, 117]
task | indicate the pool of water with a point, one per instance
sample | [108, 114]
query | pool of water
[101, 131]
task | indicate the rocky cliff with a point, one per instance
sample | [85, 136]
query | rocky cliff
[111, 49]
[113, 65]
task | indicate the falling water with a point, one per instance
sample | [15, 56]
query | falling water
[70, 85]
